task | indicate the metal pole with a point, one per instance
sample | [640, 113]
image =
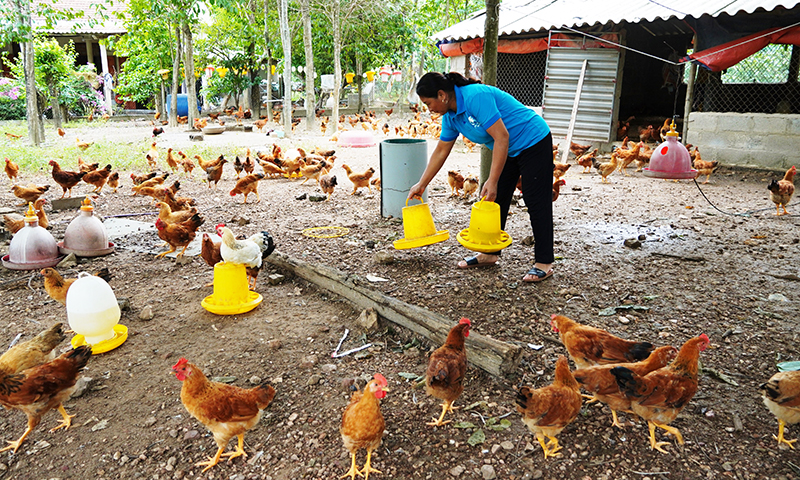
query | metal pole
[687, 107]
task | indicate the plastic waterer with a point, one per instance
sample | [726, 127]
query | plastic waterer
[93, 313]
[418, 228]
[671, 160]
[484, 234]
[402, 163]
[232, 294]
[86, 236]
[32, 247]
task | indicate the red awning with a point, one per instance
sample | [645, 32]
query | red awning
[528, 45]
[729, 54]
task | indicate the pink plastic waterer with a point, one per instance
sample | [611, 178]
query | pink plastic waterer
[32, 247]
[671, 159]
[85, 236]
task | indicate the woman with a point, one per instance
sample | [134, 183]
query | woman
[521, 144]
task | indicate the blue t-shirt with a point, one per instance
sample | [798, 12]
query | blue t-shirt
[480, 106]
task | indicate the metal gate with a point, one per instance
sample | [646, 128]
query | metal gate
[597, 97]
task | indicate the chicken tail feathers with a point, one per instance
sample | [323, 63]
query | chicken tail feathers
[640, 351]
[80, 355]
[773, 186]
[626, 380]
[523, 395]
[105, 274]
[269, 245]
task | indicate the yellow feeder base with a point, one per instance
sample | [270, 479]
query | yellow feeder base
[120, 335]
[503, 242]
[293, 175]
[437, 237]
[232, 294]
[213, 305]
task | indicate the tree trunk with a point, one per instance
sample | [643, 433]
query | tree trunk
[252, 75]
[188, 68]
[337, 61]
[35, 125]
[176, 73]
[311, 98]
[359, 67]
[54, 105]
[489, 70]
[287, 67]
[269, 59]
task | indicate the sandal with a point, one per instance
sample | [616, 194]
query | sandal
[472, 262]
[539, 274]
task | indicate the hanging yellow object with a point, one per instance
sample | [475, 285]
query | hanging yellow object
[370, 75]
[272, 69]
[349, 77]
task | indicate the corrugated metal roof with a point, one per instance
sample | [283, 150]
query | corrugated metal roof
[91, 23]
[523, 16]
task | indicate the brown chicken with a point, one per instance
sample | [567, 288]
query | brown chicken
[32, 353]
[557, 188]
[14, 221]
[456, 182]
[560, 169]
[85, 166]
[643, 158]
[359, 179]
[469, 143]
[446, 368]
[781, 395]
[578, 149]
[178, 203]
[313, 172]
[113, 181]
[178, 234]
[200, 124]
[237, 166]
[703, 167]
[57, 286]
[259, 124]
[168, 216]
[665, 128]
[780, 191]
[598, 380]
[659, 396]
[647, 134]
[29, 194]
[61, 132]
[376, 182]
[214, 173]
[607, 168]
[626, 157]
[389, 112]
[37, 390]
[209, 250]
[12, 170]
[64, 178]
[470, 186]
[587, 160]
[363, 425]
[140, 179]
[82, 145]
[271, 169]
[327, 183]
[98, 178]
[247, 185]
[589, 346]
[548, 410]
[171, 162]
[226, 410]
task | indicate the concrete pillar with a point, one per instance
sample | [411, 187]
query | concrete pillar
[89, 51]
[108, 92]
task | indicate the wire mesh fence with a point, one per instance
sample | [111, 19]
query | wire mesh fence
[522, 75]
[766, 82]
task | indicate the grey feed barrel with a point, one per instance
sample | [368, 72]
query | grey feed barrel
[403, 160]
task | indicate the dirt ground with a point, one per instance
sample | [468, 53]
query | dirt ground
[733, 277]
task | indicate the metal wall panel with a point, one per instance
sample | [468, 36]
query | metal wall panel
[594, 118]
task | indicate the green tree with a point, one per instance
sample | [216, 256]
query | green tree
[55, 65]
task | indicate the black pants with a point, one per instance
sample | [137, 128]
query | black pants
[535, 165]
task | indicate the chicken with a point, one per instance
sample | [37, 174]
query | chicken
[578, 149]
[560, 169]
[200, 124]
[113, 181]
[168, 216]
[327, 183]
[157, 131]
[57, 286]
[313, 172]
[703, 167]
[13, 136]
[363, 424]
[86, 167]
[446, 368]
[247, 185]
[214, 173]
[643, 158]
[622, 127]
[249, 252]
[662, 133]
[626, 157]
[171, 162]
[271, 169]
[588, 346]
[607, 168]
[376, 182]
[39, 389]
[141, 179]
[64, 178]
[388, 112]
[598, 380]
[12, 170]
[29, 194]
[359, 179]
[548, 410]
[203, 164]
[98, 178]
[186, 163]
[470, 186]
[291, 166]
[178, 234]
[210, 250]
[587, 160]
[248, 164]
[557, 188]
[659, 396]
[237, 166]
[226, 410]
[178, 203]
[60, 132]
[238, 115]
[780, 191]
[14, 221]
[151, 162]
[259, 124]
[781, 395]
[456, 182]
[469, 143]
[82, 145]
[646, 134]
[32, 353]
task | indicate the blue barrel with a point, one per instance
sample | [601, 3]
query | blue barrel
[183, 104]
[403, 160]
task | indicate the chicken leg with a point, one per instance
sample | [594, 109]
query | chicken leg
[367, 468]
[654, 445]
[615, 421]
[550, 448]
[171, 249]
[66, 420]
[14, 445]
[211, 461]
[780, 438]
[447, 406]
[239, 452]
[353, 469]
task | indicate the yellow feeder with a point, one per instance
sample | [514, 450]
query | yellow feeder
[418, 228]
[370, 75]
[272, 69]
[349, 77]
[232, 294]
[484, 234]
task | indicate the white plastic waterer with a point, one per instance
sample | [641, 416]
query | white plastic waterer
[92, 308]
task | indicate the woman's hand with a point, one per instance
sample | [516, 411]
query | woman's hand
[489, 191]
[416, 191]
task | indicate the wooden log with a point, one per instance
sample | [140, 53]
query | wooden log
[493, 356]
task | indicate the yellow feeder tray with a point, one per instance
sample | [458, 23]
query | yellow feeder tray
[418, 228]
[463, 238]
[120, 335]
[484, 234]
[232, 294]
[293, 175]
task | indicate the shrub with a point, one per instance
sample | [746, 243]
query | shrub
[12, 100]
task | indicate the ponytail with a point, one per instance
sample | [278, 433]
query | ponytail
[430, 83]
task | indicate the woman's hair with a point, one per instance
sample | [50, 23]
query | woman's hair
[430, 83]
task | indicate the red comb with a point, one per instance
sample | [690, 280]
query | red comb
[704, 337]
[553, 316]
[180, 362]
[381, 380]
[465, 320]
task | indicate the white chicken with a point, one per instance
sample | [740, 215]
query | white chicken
[249, 252]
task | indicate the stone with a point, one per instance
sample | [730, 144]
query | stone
[314, 379]
[328, 368]
[191, 435]
[223, 379]
[196, 137]
[632, 243]
[274, 344]
[496, 448]
[488, 473]
[124, 303]
[412, 352]
[308, 361]
[456, 471]
[368, 320]
[101, 425]
[537, 474]
[146, 313]
[507, 445]
[150, 421]
[80, 386]
[777, 297]
[68, 262]
[275, 279]
[624, 320]
[255, 380]
[317, 198]
[642, 237]
[302, 196]
[528, 241]
[384, 258]
[370, 243]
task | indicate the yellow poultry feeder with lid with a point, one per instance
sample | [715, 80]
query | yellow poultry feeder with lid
[93, 313]
[483, 234]
[418, 228]
[232, 294]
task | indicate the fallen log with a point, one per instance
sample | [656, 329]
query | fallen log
[493, 356]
